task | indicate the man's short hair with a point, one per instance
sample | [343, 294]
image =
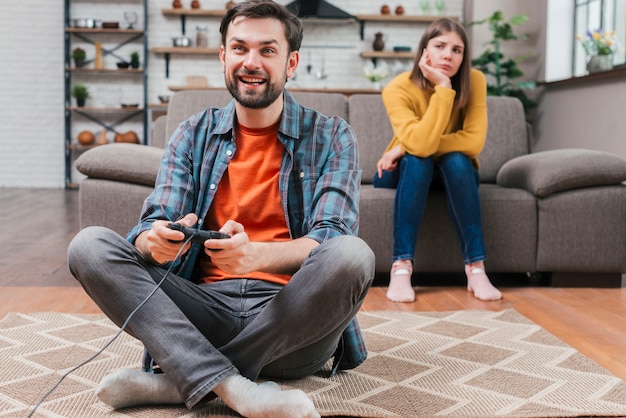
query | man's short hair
[258, 9]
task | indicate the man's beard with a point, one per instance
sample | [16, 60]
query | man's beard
[251, 98]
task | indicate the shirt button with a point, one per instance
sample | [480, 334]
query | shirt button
[229, 152]
[212, 186]
[302, 174]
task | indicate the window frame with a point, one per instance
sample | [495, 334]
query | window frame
[593, 14]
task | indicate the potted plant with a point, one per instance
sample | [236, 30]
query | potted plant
[599, 47]
[80, 93]
[503, 71]
[134, 59]
[79, 55]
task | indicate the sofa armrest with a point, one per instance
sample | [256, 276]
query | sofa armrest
[547, 172]
[130, 163]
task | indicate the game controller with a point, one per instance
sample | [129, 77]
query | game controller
[197, 235]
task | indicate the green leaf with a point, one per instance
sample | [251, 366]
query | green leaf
[518, 20]
[527, 85]
[493, 63]
[496, 17]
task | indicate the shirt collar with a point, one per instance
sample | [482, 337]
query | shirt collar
[289, 123]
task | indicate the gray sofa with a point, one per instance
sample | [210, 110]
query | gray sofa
[561, 212]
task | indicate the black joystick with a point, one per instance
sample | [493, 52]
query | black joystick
[197, 235]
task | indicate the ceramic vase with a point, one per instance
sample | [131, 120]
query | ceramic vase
[379, 42]
[598, 63]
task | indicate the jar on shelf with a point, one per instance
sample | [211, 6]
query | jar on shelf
[98, 64]
[202, 36]
[379, 42]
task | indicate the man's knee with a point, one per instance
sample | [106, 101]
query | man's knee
[87, 244]
[356, 256]
[84, 240]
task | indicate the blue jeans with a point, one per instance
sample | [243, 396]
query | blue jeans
[201, 334]
[455, 173]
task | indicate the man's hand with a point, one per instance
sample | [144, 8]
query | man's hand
[235, 255]
[159, 243]
[238, 255]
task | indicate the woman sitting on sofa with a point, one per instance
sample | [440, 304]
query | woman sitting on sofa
[438, 112]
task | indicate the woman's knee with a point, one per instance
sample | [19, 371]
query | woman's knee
[456, 162]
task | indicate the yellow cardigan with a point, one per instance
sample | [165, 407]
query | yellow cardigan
[425, 122]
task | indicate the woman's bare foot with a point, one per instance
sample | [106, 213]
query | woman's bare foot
[479, 284]
[400, 289]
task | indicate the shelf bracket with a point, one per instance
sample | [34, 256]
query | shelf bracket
[183, 21]
[362, 29]
[167, 65]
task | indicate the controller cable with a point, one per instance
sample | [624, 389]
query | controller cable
[73, 369]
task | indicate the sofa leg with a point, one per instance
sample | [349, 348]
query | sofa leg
[535, 277]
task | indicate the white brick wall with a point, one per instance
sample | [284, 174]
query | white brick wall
[31, 74]
[31, 82]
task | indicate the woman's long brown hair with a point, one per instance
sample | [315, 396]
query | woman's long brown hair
[461, 80]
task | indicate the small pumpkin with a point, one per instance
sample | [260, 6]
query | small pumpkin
[86, 138]
[128, 137]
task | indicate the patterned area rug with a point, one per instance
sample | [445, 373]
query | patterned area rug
[421, 364]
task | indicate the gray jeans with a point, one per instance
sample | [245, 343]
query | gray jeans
[201, 334]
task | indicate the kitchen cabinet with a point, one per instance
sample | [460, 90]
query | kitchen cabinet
[117, 96]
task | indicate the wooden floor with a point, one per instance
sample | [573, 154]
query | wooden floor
[39, 224]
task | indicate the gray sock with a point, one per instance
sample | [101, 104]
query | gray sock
[264, 400]
[127, 387]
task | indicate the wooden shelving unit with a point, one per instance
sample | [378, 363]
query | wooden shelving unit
[183, 50]
[193, 12]
[102, 30]
[182, 14]
[387, 55]
[105, 70]
[380, 18]
[112, 40]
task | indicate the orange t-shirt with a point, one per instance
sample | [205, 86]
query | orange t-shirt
[249, 194]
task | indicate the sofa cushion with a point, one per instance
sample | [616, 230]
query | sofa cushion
[547, 172]
[186, 103]
[508, 135]
[373, 130]
[132, 163]
[112, 204]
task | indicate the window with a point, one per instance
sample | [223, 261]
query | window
[609, 15]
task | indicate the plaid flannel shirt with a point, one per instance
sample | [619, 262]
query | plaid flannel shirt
[319, 184]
